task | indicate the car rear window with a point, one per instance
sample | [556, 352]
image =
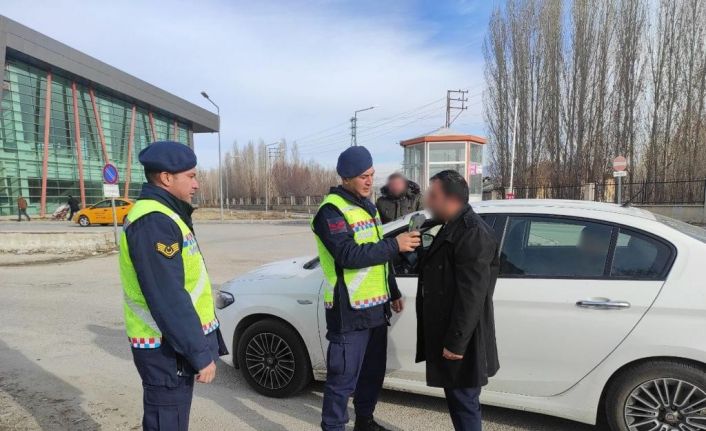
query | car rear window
[688, 229]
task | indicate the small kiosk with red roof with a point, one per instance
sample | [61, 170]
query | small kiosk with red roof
[424, 156]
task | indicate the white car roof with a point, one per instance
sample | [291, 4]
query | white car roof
[543, 205]
[537, 205]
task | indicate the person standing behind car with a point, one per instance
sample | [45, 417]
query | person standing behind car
[359, 290]
[456, 325]
[21, 208]
[167, 301]
[399, 198]
[73, 207]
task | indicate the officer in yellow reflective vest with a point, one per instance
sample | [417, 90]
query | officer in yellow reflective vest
[359, 291]
[169, 313]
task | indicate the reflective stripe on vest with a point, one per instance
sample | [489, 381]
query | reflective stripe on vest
[366, 287]
[141, 328]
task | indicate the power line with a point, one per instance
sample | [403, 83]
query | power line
[383, 120]
[334, 141]
[376, 124]
[320, 131]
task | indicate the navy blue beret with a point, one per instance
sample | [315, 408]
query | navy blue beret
[167, 156]
[353, 162]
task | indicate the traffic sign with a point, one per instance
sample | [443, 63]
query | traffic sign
[110, 174]
[111, 191]
[620, 163]
[620, 174]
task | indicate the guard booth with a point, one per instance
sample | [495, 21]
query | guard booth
[425, 156]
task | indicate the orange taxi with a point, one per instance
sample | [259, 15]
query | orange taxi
[102, 213]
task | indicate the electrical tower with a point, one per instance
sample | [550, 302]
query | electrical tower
[455, 100]
[354, 125]
[274, 152]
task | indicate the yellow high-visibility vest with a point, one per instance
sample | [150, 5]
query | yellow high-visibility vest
[142, 330]
[366, 287]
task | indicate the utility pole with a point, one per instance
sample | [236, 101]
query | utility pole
[354, 126]
[458, 96]
[274, 152]
[220, 158]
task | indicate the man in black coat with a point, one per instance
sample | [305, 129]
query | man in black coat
[73, 207]
[399, 198]
[456, 328]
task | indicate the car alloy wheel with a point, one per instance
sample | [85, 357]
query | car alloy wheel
[270, 361]
[83, 221]
[666, 405]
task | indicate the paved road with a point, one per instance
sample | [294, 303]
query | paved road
[65, 363]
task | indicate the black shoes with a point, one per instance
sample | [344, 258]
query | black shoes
[368, 424]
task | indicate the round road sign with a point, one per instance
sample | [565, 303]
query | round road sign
[620, 163]
[110, 174]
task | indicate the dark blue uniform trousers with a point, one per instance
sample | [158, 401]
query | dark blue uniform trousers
[464, 408]
[356, 363]
[167, 408]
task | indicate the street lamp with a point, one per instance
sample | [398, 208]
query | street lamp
[354, 125]
[220, 177]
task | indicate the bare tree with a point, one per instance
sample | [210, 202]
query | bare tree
[593, 80]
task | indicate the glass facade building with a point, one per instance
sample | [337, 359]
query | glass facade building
[23, 132]
[58, 128]
[426, 156]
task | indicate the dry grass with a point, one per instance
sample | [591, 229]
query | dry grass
[214, 214]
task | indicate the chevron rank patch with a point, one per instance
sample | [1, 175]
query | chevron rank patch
[168, 251]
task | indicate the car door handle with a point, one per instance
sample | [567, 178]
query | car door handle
[602, 304]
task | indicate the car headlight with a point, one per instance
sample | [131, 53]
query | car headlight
[223, 299]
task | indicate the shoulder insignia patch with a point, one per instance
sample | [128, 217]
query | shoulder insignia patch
[168, 250]
[336, 225]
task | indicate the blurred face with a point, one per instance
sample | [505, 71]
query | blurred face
[362, 185]
[593, 243]
[397, 186]
[441, 206]
[183, 185]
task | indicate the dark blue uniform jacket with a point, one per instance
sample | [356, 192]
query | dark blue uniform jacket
[185, 349]
[338, 239]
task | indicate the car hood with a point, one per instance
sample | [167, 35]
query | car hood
[272, 274]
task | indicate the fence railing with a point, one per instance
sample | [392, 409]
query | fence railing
[274, 201]
[678, 192]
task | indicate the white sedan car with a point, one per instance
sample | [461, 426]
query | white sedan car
[600, 312]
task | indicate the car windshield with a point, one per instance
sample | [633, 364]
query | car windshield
[693, 231]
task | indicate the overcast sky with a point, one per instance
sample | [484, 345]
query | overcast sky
[290, 69]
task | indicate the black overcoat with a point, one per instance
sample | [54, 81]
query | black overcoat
[455, 303]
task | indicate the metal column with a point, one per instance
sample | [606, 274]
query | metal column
[45, 158]
[99, 124]
[128, 162]
[77, 135]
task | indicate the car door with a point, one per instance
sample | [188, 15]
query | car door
[402, 338]
[402, 341]
[101, 213]
[121, 209]
[562, 303]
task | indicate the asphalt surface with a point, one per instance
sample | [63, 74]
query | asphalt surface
[65, 363]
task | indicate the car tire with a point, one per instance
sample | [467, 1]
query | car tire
[657, 395]
[83, 221]
[273, 359]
